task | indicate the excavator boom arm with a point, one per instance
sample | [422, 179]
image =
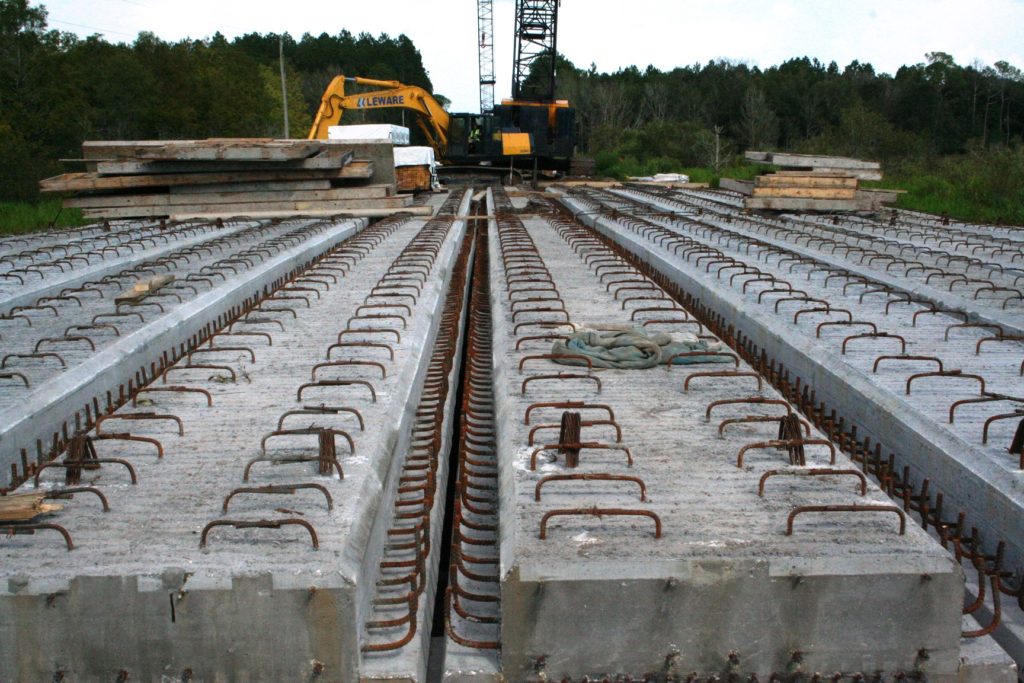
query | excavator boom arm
[433, 119]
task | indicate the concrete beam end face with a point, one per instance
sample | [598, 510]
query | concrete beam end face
[850, 623]
[209, 633]
[982, 660]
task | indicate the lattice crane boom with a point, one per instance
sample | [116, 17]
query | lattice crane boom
[485, 28]
[535, 38]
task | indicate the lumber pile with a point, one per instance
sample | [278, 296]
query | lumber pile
[414, 169]
[231, 177]
[812, 183]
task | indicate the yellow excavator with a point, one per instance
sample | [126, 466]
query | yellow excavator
[433, 120]
[542, 134]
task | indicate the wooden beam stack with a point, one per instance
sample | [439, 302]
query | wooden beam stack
[813, 183]
[231, 177]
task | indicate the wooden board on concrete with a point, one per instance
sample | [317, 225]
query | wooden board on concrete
[84, 182]
[247, 208]
[24, 507]
[806, 192]
[367, 192]
[217, 149]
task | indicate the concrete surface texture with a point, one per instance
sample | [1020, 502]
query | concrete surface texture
[950, 453]
[36, 265]
[724, 574]
[75, 315]
[146, 333]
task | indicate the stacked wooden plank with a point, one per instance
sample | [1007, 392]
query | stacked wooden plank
[812, 183]
[860, 169]
[231, 177]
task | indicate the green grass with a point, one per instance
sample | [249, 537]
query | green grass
[981, 186]
[21, 217]
[987, 189]
[736, 172]
[622, 167]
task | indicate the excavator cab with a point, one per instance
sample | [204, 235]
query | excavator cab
[476, 138]
[551, 125]
[473, 138]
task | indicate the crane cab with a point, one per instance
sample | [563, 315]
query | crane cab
[473, 138]
[477, 138]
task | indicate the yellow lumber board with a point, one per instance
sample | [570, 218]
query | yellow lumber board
[23, 507]
[806, 192]
[143, 288]
[807, 181]
[153, 284]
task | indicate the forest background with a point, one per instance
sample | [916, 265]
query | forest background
[950, 134]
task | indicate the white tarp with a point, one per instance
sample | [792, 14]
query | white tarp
[414, 156]
[370, 132]
[662, 178]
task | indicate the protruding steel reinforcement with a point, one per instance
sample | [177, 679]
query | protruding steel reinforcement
[403, 567]
[915, 496]
[472, 595]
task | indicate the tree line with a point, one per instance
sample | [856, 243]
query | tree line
[57, 90]
[702, 115]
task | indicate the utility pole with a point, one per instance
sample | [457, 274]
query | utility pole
[284, 84]
[718, 148]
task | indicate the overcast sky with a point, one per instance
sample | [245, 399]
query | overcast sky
[609, 33]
